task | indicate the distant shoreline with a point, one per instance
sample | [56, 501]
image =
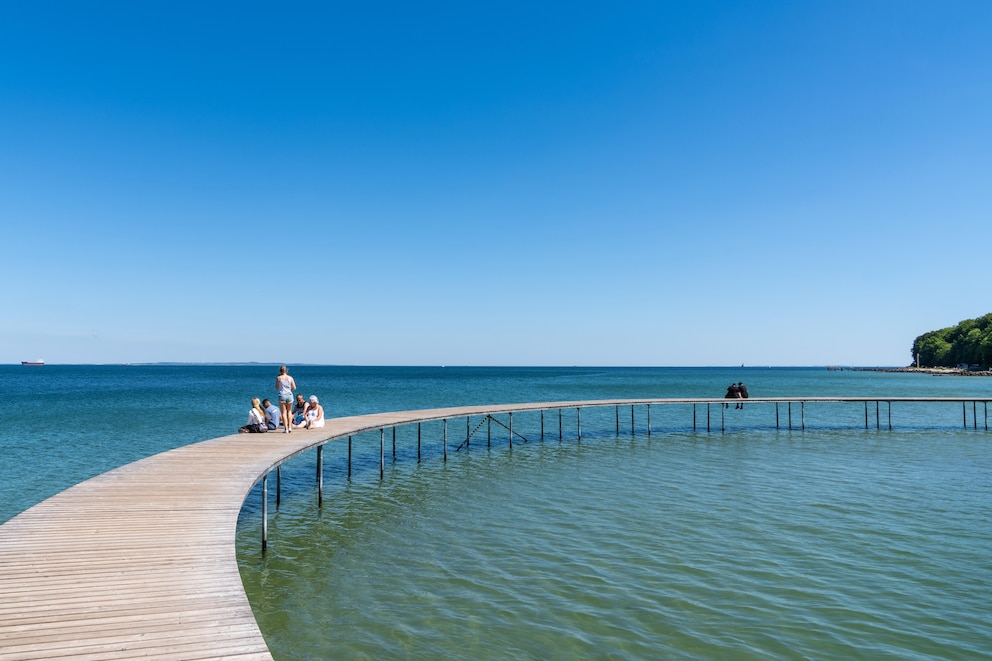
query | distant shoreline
[936, 371]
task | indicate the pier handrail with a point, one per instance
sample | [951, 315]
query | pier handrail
[140, 561]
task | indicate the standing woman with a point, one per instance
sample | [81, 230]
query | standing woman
[285, 385]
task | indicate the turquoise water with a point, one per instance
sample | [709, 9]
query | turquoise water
[757, 542]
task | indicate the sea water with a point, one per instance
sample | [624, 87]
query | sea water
[751, 540]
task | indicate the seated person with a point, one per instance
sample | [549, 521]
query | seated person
[314, 414]
[256, 419]
[272, 415]
[299, 411]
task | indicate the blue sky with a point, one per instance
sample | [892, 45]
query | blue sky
[624, 183]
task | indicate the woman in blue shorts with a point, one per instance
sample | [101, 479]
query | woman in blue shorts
[285, 385]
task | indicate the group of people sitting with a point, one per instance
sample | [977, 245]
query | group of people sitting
[265, 416]
[736, 391]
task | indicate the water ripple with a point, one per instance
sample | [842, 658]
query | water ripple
[743, 546]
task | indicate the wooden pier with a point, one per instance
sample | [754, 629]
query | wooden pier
[140, 562]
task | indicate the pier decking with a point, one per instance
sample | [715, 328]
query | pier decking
[140, 562]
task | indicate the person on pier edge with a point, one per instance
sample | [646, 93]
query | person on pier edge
[314, 414]
[285, 385]
[733, 392]
[742, 393]
[256, 419]
[299, 410]
[271, 414]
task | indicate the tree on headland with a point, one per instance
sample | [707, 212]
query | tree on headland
[970, 342]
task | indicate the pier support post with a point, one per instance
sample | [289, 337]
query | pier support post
[542, 424]
[578, 425]
[489, 431]
[278, 485]
[265, 512]
[723, 416]
[790, 416]
[802, 410]
[631, 419]
[320, 475]
[878, 424]
[693, 417]
[394, 445]
[511, 430]
[649, 421]
[382, 453]
[890, 415]
[559, 425]
[349, 457]
[468, 430]
[866, 414]
[707, 417]
[617, 408]
[776, 415]
[444, 441]
[418, 442]
[964, 414]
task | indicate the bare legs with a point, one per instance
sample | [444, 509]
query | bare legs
[287, 416]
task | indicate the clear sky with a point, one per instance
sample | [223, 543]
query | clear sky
[512, 183]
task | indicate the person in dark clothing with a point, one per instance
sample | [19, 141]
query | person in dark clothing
[742, 393]
[733, 392]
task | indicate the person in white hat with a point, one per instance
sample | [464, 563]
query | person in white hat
[314, 414]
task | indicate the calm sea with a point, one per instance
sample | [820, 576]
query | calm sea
[754, 542]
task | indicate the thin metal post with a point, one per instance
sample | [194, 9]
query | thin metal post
[723, 416]
[578, 421]
[468, 432]
[542, 424]
[707, 417]
[559, 424]
[776, 415]
[866, 414]
[618, 418]
[694, 417]
[349, 457]
[418, 442]
[986, 405]
[278, 484]
[974, 414]
[802, 409]
[320, 475]
[631, 419]
[382, 453]
[890, 415]
[265, 512]
[394, 444]
[964, 414]
[489, 431]
[877, 423]
[649, 421]
[444, 441]
[790, 416]
[511, 430]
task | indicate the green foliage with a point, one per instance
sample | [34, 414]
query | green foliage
[969, 342]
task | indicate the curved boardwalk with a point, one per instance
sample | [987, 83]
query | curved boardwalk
[140, 562]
